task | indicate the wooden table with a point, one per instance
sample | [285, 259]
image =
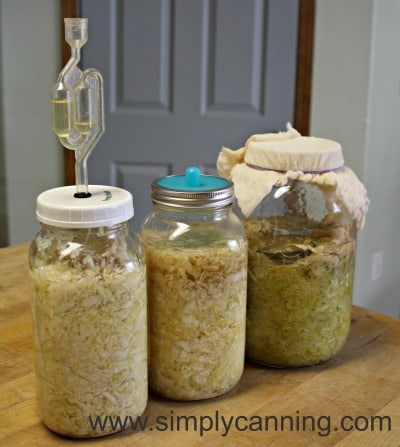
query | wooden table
[360, 388]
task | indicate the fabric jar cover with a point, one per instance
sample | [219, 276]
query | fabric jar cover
[272, 159]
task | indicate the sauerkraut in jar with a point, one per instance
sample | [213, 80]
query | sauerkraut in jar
[300, 288]
[196, 257]
[300, 206]
[89, 314]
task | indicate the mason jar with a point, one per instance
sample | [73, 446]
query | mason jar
[301, 269]
[302, 235]
[196, 257]
[89, 311]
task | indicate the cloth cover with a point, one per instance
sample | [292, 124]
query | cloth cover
[272, 159]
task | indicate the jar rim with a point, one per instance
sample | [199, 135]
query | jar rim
[209, 194]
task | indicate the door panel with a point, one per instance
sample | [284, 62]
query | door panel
[143, 47]
[184, 77]
[227, 86]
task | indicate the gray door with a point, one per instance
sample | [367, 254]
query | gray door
[182, 79]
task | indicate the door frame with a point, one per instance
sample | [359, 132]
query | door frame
[305, 48]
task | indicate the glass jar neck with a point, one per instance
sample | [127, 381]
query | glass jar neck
[183, 214]
[113, 231]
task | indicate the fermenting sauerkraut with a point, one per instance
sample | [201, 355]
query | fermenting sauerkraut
[299, 288]
[90, 331]
[197, 308]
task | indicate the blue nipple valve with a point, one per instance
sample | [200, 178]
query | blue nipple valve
[192, 177]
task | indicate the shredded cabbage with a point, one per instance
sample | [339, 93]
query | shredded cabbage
[197, 307]
[90, 333]
[299, 289]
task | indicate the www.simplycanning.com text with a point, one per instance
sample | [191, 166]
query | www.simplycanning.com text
[322, 425]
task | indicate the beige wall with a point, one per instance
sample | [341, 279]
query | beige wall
[356, 100]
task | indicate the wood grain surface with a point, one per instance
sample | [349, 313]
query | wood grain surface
[352, 400]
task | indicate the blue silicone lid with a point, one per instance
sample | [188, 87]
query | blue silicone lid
[193, 180]
[192, 190]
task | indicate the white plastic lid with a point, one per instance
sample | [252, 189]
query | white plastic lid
[106, 206]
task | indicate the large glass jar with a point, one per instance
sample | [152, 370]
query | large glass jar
[301, 268]
[300, 207]
[196, 256]
[89, 311]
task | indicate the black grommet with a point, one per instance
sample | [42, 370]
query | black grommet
[82, 195]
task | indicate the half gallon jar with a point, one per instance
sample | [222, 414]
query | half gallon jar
[89, 311]
[196, 256]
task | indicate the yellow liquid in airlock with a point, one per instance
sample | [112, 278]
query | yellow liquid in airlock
[63, 125]
[62, 117]
[83, 127]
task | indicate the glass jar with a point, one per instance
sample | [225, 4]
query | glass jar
[89, 311]
[300, 206]
[301, 269]
[196, 257]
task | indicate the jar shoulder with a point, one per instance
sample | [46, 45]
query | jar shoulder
[300, 200]
[182, 230]
[96, 248]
